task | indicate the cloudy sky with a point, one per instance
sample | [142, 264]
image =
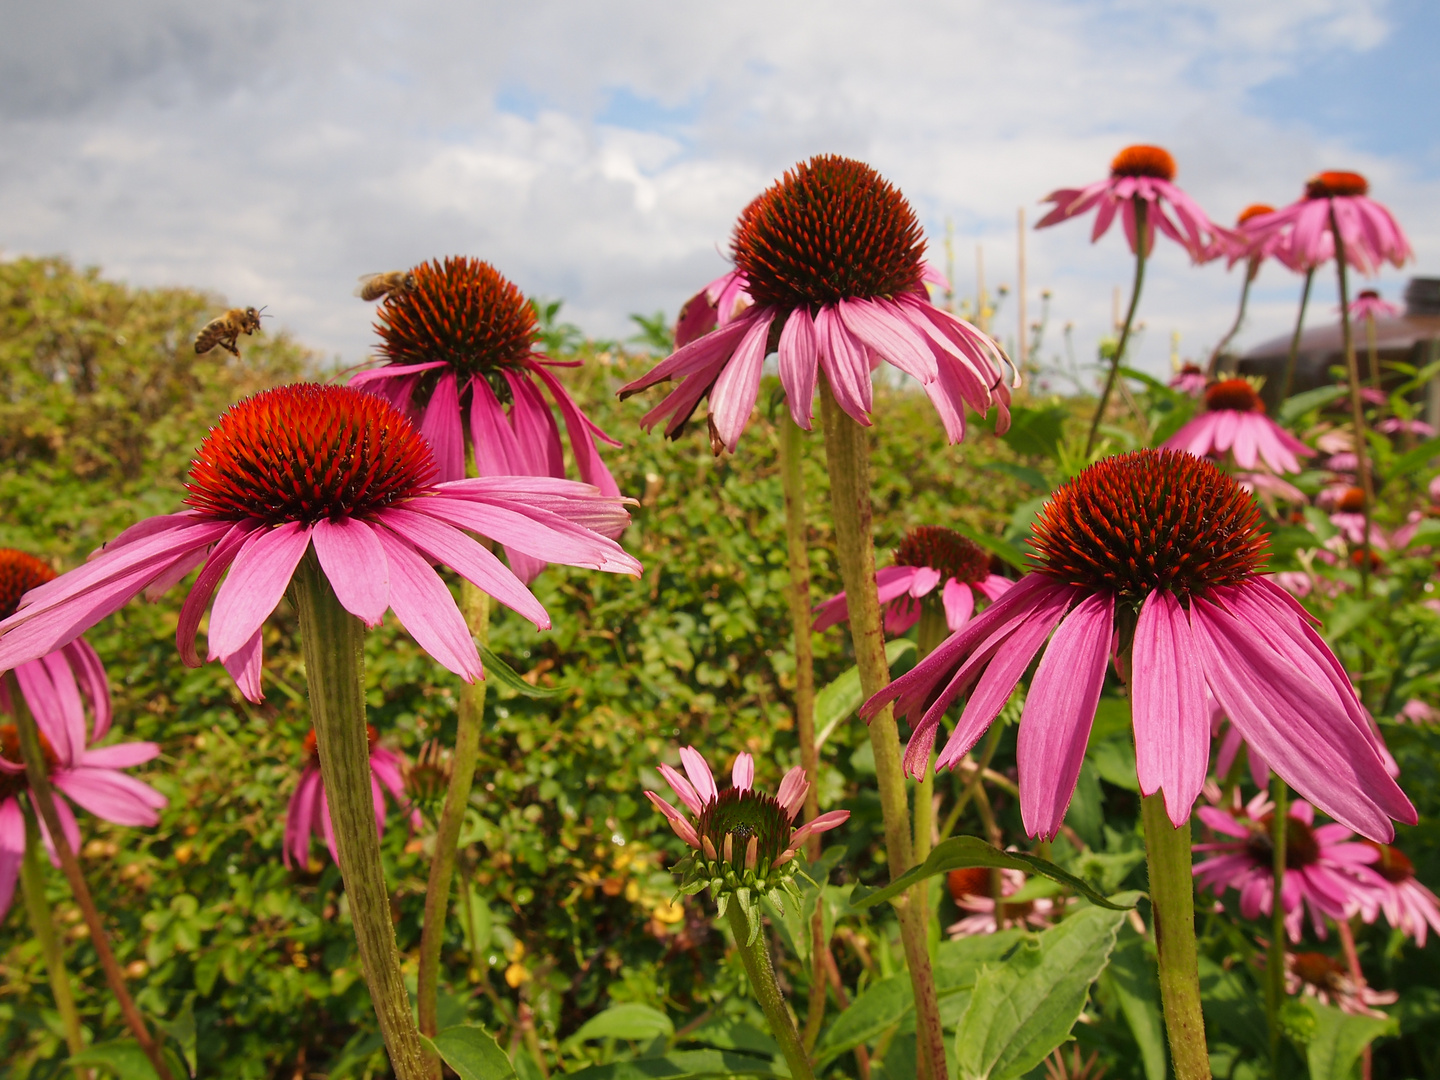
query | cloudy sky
[599, 152]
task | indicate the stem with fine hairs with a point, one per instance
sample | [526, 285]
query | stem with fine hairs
[1357, 407]
[1275, 954]
[761, 971]
[847, 454]
[43, 797]
[1252, 268]
[42, 922]
[1141, 246]
[1294, 355]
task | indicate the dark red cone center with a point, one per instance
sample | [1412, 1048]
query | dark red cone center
[1152, 161]
[944, 550]
[19, 573]
[1234, 395]
[1328, 185]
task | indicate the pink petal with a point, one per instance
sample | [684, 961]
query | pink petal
[427, 610]
[793, 789]
[257, 580]
[112, 795]
[1172, 726]
[742, 776]
[799, 362]
[682, 827]
[354, 564]
[221, 556]
[497, 451]
[244, 666]
[12, 850]
[582, 432]
[120, 755]
[959, 601]
[733, 396]
[441, 427]
[683, 788]
[700, 775]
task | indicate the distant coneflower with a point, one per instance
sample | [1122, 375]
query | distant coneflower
[308, 813]
[973, 891]
[1409, 906]
[1234, 421]
[1369, 231]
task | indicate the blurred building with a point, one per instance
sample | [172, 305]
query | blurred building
[1411, 338]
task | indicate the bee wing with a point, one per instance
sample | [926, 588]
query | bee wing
[371, 287]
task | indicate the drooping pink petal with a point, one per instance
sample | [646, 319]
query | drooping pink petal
[799, 363]
[90, 673]
[257, 580]
[583, 433]
[12, 849]
[300, 816]
[733, 397]
[1059, 709]
[532, 528]
[354, 564]
[111, 795]
[959, 602]
[49, 690]
[846, 368]
[497, 450]
[682, 827]
[441, 426]
[683, 788]
[119, 755]
[700, 355]
[244, 666]
[824, 823]
[536, 432]
[883, 329]
[426, 609]
[198, 599]
[1171, 720]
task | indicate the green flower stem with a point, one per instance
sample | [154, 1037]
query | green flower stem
[334, 644]
[475, 606]
[43, 798]
[1141, 245]
[847, 453]
[1172, 898]
[1357, 407]
[1373, 347]
[756, 958]
[32, 883]
[1252, 268]
[792, 477]
[1294, 355]
[1275, 954]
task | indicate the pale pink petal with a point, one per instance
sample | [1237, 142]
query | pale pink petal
[733, 397]
[257, 580]
[682, 827]
[700, 775]
[846, 368]
[244, 666]
[354, 564]
[683, 788]
[883, 329]
[742, 776]
[799, 362]
[824, 823]
[793, 789]
[427, 610]
[112, 796]
[120, 755]
[924, 581]
[532, 529]
[959, 601]
[1172, 728]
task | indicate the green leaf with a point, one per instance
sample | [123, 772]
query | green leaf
[682, 1065]
[472, 1052]
[1036, 431]
[1296, 407]
[839, 699]
[504, 675]
[1003, 550]
[628, 1020]
[1131, 978]
[882, 1005]
[1415, 459]
[1023, 473]
[123, 1057]
[1115, 762]
[182, 1030]
[962, 852]
[1340, 1038]
[1025, 1007]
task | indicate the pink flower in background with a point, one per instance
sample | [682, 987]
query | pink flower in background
[1394, 425]
[1372, 236]
[1190, 379]
[1319, 864]
[1167, 540]
[1245, 241]
[718, 304]
[90, 777]
[460, 349]
[1330, 982]
[1418, 712]
[309, 814]
[1408, 905]
[1138, 174]
[340, 472]
[1234, 420]
[1269, 487]
[1348, 517]
[926, 557]
[972, 890]
[1368, 305]
[832, 258]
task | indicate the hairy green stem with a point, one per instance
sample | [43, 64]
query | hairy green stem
[1294, 355]
[1141, 251]
[758, 967]
[1252, 268]
[1172, 899]
[42, 796]
[1357, 407]
[1275, 954]
[334, 649]
[32, 883]
[475, 606]
[847, 454]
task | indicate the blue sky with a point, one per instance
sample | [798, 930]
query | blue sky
[273, 152]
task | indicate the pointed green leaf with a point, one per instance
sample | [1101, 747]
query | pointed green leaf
[502, 674]
[472, 1052]
[839, 699]
[681, 1065]
[1131, 977]
[1296, 407]
[1340, 1038]
[629, 1020]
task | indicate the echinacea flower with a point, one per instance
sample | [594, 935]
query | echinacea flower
[90, 778]
[461, 356]
[1190, 379]
[1319, 864]
[1245, 241]
[1330, 982]
[1409, 906]
[1415, 711]
[1234, 420]
[1369, 231]
[832, 257]
[972, 889]
[718, 304]
[308, 813]
[929, 555]
[744, 841]
[340, 473]
[1138, 174]
[1369, 305]
[1349, 518]
[1167, 551]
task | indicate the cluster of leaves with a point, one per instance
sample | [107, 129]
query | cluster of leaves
[567, 939]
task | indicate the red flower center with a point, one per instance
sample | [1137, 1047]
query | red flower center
[1152, 161]
[1254, 210]
[1327, 185]
[1188, 368]
[305, 452]
[1319, 970]
[1301, 847]
[312, 747]
[1235, 395]
[19, 573]
[1394, 865]
[831, 229]
[12, 784]
[1152, 519]
[1368, 294]
[969, 881]
[944, 550]
[1352, 502]
[462, 311]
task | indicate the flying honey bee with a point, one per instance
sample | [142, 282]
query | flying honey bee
[226, 329]
[379, 286]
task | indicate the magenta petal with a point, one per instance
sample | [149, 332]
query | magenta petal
[120, 755]
[1055, 725]
[441, 426]
[354, 564]
[497, 451]
[112, 795]
[244, 666]
[221, 556]
[12, 849]
[1172, 725]
[90, 673]
[582, 432]
[733, 396]
[799, 363]
[427, 610]
[257, 580]
[959, 601]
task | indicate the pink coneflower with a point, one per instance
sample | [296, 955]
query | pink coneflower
[1370, 234]
[1167, 551]
[1231, 743]
[743, 838]
[1138, 174]
[1319, 864]
[309, 814]
[342, 473]
[972, 890]
[718, 304]
[1348, 517]
[460, 346]
[1416, 711]
[1330, 982]
[1190, 379]
[1369, 305]
[927, 556]
[1409, 906]
[1394, 425]
[832, 256]
[1234, 420]
[90, 778]
[1245, 241]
